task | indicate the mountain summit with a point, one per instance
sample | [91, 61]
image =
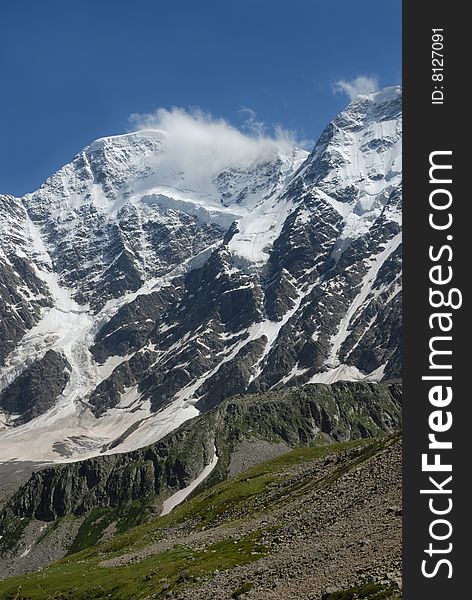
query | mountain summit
[147, 281]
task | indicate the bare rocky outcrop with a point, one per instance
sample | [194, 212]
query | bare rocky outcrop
[36, 389]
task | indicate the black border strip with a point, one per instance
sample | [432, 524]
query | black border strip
[428, 128]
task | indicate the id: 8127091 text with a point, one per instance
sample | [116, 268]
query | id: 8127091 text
[437, 66]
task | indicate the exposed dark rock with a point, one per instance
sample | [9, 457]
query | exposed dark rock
[37, 388]
[131, 327]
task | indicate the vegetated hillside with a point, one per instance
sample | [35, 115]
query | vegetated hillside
[133, 486]
[313, 523]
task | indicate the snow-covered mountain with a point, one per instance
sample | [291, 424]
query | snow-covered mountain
[136, 293]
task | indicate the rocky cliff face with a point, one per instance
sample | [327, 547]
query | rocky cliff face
[23, 295]
[35, 390]
[164, 293]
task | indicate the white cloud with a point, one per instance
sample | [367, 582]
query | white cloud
[359, 86]
[197, 143]
[251, 124]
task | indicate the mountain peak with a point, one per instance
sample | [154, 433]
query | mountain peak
[165, 269]
[125, 139]
[387, 94]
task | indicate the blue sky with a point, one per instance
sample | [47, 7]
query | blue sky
[72, 71]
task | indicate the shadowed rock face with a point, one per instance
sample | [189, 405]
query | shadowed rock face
[298, 416]
[36, 389]
[22, 293]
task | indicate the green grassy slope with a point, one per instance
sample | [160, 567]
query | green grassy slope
[82, 576]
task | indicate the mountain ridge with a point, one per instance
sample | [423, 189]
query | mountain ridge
[164, 299]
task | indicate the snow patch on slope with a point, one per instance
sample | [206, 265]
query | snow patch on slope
[347, 373]
[365, 289]
[180, 496]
